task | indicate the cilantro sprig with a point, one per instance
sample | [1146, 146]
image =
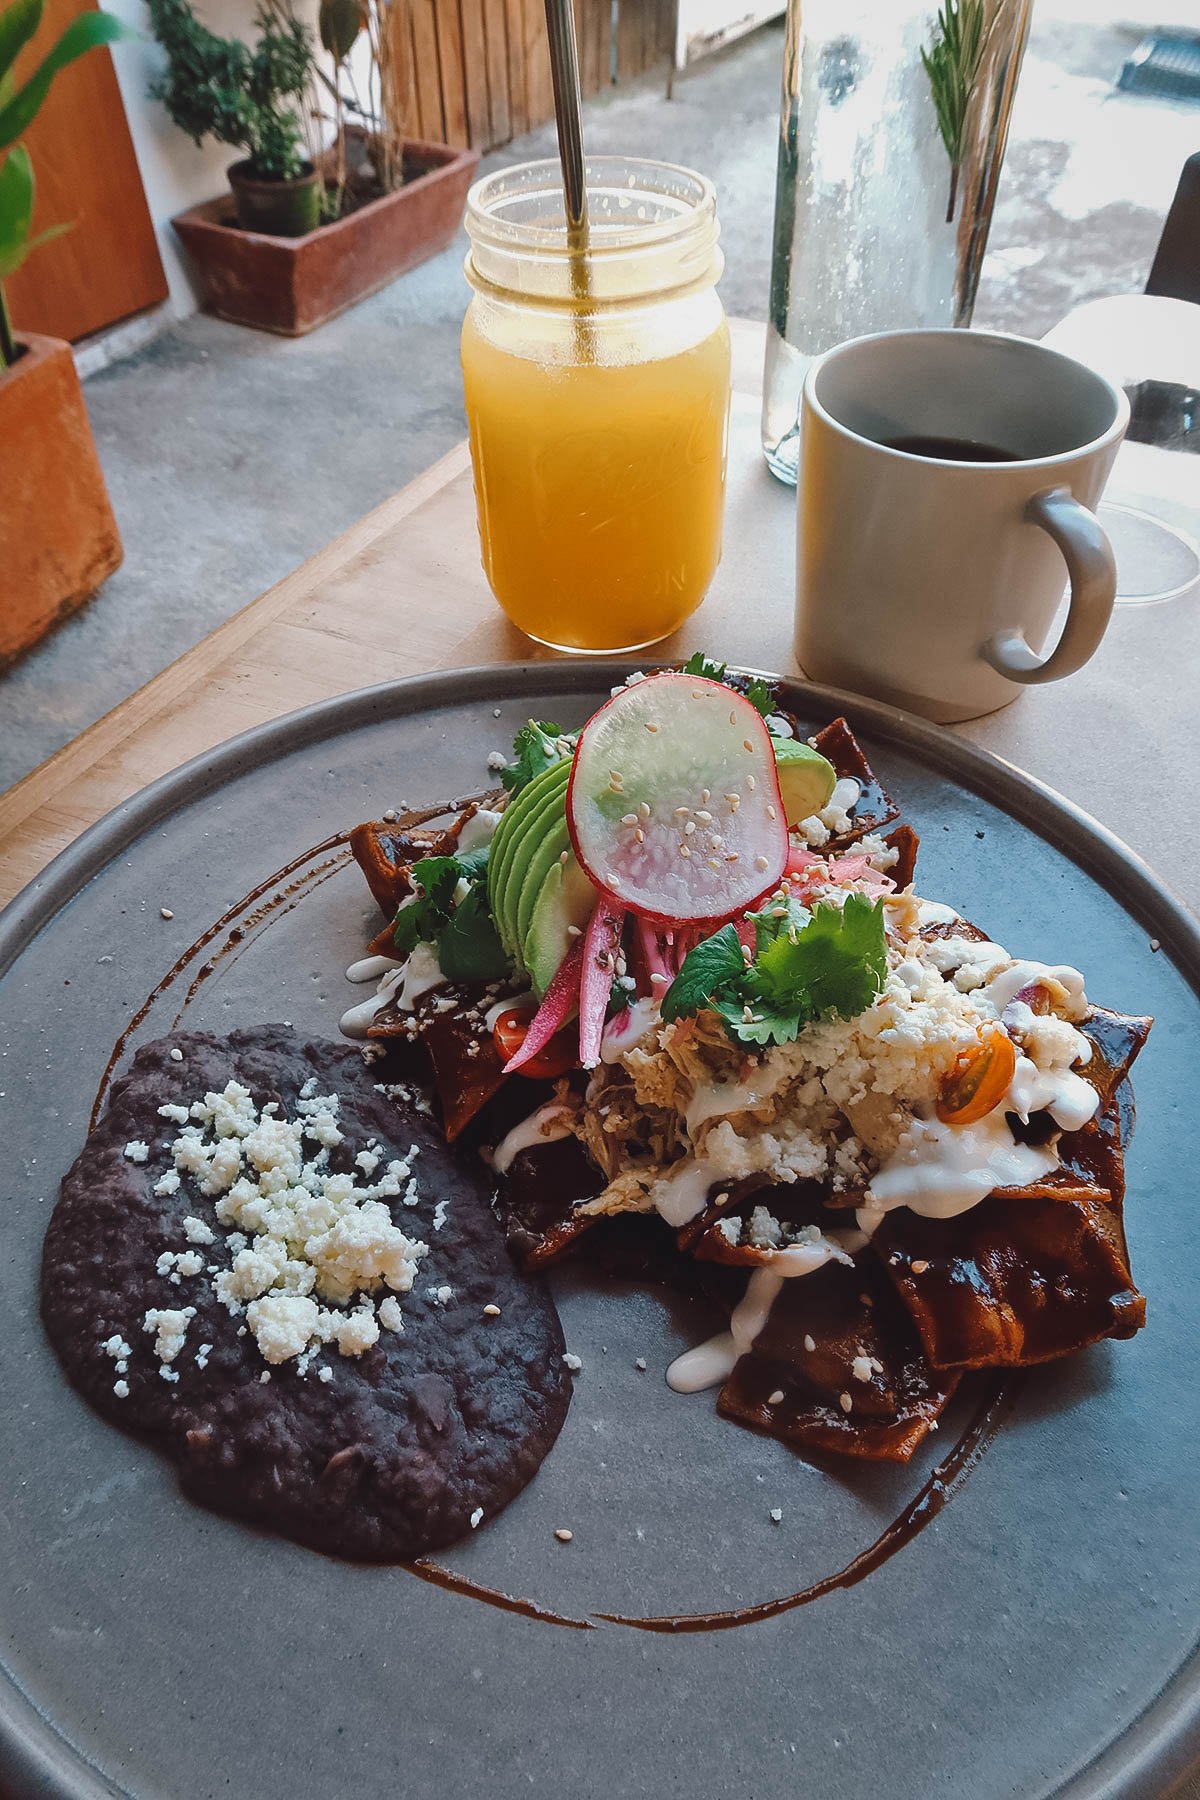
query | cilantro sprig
[536, 747]
[468, 945]
[829, 961]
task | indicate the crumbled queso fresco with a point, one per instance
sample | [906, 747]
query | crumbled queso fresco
[314, 1257]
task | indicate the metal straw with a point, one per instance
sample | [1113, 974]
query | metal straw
[564, 70]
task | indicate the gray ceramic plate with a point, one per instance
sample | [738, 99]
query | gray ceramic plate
[1035, 1637]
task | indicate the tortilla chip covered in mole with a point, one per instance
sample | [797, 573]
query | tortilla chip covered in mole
[863, 1389]
[538, 1198]
[874, 807]
[1013, 1281]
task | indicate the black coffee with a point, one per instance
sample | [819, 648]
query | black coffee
[945, 449]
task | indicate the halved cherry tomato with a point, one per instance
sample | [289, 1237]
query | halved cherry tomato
[979, 1080]
[555, 1058]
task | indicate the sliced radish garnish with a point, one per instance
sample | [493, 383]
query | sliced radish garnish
[601, 942]
[674, 806]
[562, 998]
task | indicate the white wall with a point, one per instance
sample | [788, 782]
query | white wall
[175, 174]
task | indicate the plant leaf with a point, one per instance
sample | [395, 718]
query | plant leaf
[18, 23]
[339, 23]
[710, 967]
[834, 966]
[469, 947]
[536, 747]
[16, 210]
[86, 32]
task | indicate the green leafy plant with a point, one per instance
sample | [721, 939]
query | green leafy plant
[468, 946]
[380, 108]
[536, 748]
[827, 962]
[247, 97]
[18, 108]
[952, 63]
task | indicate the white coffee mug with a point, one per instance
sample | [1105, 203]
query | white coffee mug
[932, 579]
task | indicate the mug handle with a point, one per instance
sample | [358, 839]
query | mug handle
[1093, 572]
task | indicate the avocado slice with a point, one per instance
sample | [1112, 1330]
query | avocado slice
[806, 778]
[555, 842]
[545, 820]
[566, 898]
[517, 814]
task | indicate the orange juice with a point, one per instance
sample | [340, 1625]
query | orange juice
[596, 375]
[600, 483]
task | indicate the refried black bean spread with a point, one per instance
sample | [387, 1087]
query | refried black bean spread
[283, 1278]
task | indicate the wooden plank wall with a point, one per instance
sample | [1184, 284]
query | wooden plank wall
[482, 67]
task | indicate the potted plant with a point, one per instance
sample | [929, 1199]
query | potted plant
[219, 87]
[58, 537]
[383, 201]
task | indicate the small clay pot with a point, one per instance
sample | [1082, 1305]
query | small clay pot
[276, 208]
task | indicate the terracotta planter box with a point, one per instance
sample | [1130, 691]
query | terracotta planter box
[58, 537]
[291, 285]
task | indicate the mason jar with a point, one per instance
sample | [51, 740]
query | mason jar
[596, 377]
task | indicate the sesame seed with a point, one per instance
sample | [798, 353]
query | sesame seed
[640, 835]
[772, 812]
[164, 912]
[491, 1310]
[563, 856]
[865, 1300]
[721, 1200]
[810, 1343]
[845, 1402]
[762, 862]
[644, 810]
[177, 1055]
[659, 979]
[731, 856]
[640, 1364]
[574, 931]
[610, 878]
[390, 816]
[733, 718]
[747, 955]
[751, 783]
[713, 863]
[775, 1399]
[746, 744]
[919, 1267]
[705, 796]
[703, 816]
[563, 1535]
[689, 828]
[684, 851]
[682, 812]
[650, 727]
[697, 693]
[629, 819]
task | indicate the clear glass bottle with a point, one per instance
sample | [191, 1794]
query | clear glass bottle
[597, 393]
[893, 124]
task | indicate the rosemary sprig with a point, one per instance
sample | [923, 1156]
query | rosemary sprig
[952, 64]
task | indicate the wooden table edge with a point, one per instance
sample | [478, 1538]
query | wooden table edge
[45, 783]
